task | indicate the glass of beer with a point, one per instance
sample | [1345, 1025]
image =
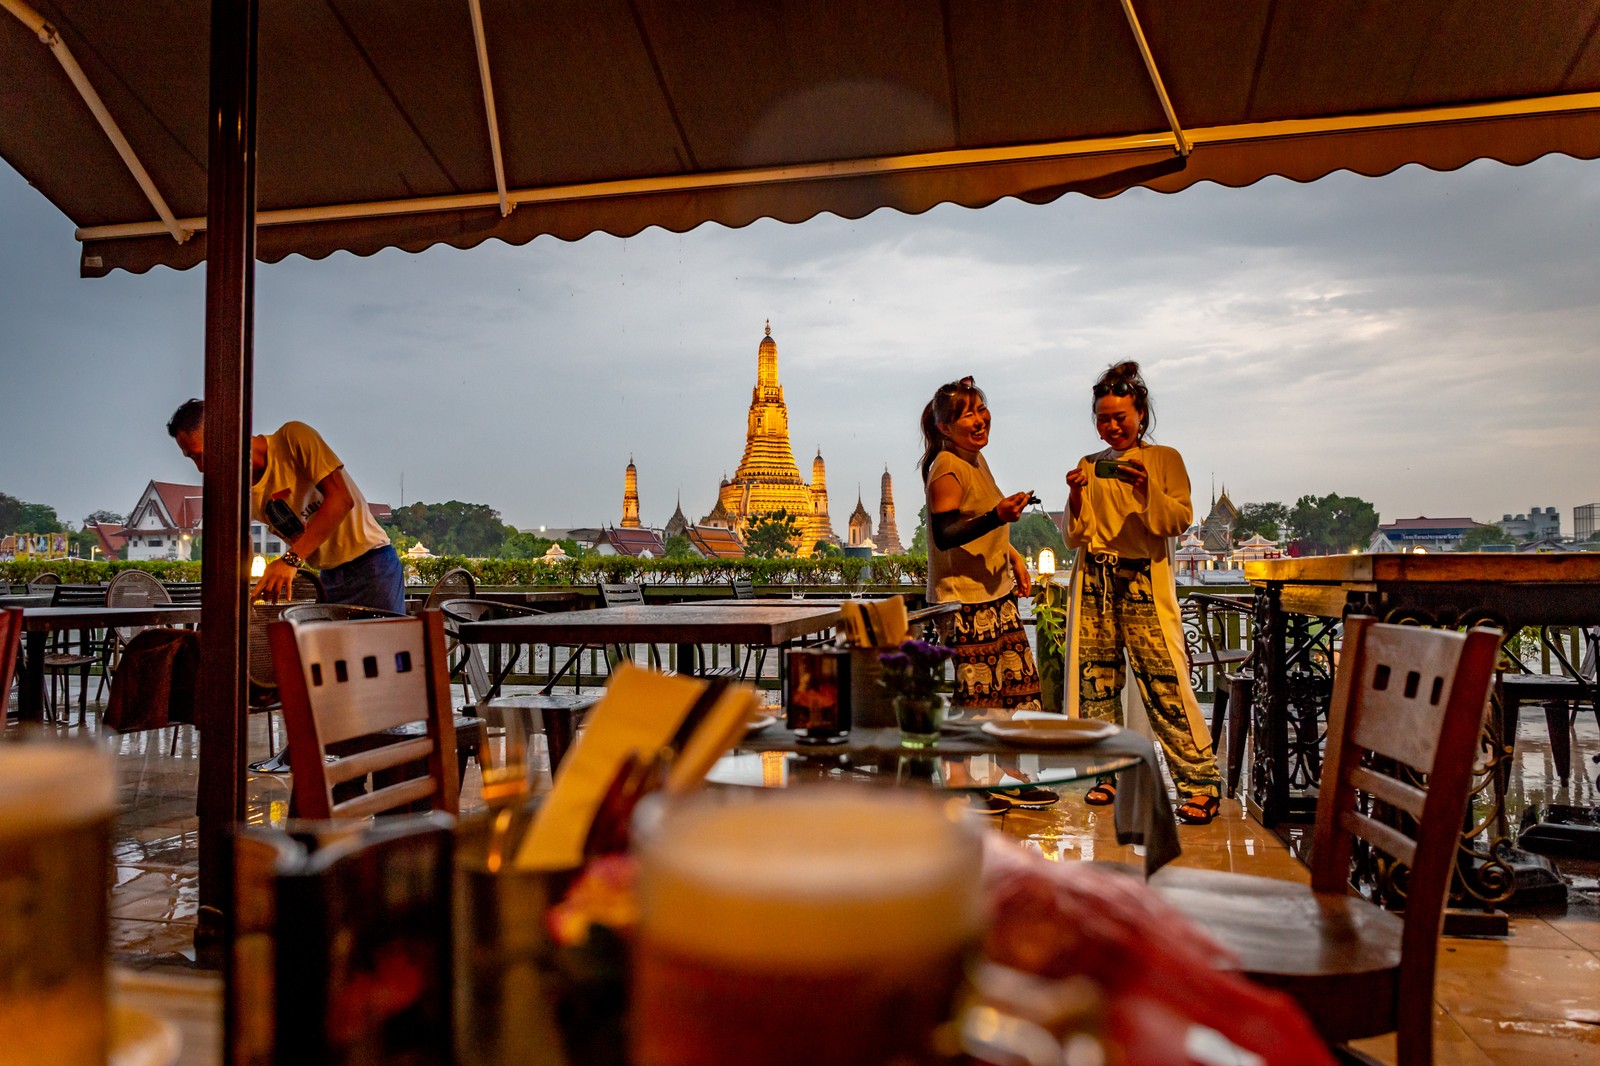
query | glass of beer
[820, 925]
[56, 806]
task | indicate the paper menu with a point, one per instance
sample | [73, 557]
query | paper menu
[643, 712]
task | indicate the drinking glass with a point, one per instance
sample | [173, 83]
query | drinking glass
[56, 807]
[818, 925]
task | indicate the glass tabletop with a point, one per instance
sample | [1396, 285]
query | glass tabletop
[965, 773]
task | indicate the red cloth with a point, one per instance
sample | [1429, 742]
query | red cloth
[155, 680]
[1161, 975]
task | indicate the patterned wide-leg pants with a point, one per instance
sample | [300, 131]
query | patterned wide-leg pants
[1117, 624]
[993, 660]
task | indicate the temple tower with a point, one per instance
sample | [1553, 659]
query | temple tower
[860, 530]
[768, 479]
[888, 535]
[677, 524]
[821, 525]
[630, 496]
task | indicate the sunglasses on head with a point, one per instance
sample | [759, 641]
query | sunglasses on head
[1118, 388]
[959, 386]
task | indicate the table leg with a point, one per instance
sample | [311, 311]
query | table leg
[30, 689]
[686, 659]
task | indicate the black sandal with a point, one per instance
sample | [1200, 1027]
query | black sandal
[1198, 810]
[1103, 794]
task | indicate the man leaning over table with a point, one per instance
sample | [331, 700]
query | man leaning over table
[301, 490]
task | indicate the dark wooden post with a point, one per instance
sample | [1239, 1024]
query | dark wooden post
[230, 323]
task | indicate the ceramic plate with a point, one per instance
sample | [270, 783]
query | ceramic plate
[1052, 732]
[759, 722]
[140, 1039]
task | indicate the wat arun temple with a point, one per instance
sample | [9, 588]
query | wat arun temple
[768, 479]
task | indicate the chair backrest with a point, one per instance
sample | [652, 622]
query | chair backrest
[621, 595]
[78, 596]
[184, 591]
[473, 670]
[353, 683]
[306, 588]
[743, 588]
[46, 578]
[10, 645]
[135, 588]
[300, 613]
[1413, 699]
[456, 584]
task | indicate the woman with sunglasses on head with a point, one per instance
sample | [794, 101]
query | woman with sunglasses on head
[970, 557]
[1123, 503]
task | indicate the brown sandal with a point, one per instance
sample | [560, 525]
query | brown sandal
[1198, 810]
[1103, 794]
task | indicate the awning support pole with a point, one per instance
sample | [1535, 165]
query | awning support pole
[1182, 142]
[47, 33]
[230, 327]
[482, 43]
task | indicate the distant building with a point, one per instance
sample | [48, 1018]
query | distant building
[638, 543]
[1583, 521]
[1537, 524]
[714, 542]
[677, 524]
[888, 540]
[821, 523]
[1434, 534]
[630, 496]
[860, 527]
[1216, 530]
[166, 521]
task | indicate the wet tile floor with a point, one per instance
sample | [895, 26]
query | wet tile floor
[1532, 997]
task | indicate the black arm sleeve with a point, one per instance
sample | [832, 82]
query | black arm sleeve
[950, 529]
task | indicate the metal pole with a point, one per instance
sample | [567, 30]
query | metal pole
[230, 320]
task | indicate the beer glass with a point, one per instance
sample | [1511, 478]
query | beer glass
[56, 806]
[823, 925]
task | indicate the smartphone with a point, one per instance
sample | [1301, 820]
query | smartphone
[1106, 467]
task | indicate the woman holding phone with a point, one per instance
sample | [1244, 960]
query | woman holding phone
[1123, 503]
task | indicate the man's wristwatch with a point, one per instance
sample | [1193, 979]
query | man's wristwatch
[291, 557]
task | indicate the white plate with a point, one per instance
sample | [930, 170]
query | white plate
[141, 1039]
[1052, 732]
[755, 725]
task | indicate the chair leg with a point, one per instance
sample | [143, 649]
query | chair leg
[1240, 695]
[1219, 711]
[1559, 723]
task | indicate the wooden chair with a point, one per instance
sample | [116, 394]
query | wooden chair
[10, 647]
[555, 714]
[1406, 701]
[344, 682]
[1560, 693]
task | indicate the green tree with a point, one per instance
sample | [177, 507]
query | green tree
[1267, 519]
[455, 528]
[824, 548]
[919, 539]
[1478, 536]
[20, 516]
[772, 534]
[106, 518]
[678, 547]
[1332, 524]
[1034, 531]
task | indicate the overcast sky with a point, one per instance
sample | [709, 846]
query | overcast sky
[1426, 341]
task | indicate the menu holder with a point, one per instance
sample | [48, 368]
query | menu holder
[875, 623]
[648, 731]
[339, 944]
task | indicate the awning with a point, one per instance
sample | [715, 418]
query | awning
[409, 123]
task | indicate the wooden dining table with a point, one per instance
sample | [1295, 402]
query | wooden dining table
[39, 622]
[683, 625]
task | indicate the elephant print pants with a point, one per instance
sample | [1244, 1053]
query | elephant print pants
[1116, 619]
[993, 661]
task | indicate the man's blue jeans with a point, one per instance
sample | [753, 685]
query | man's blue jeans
[371, 580]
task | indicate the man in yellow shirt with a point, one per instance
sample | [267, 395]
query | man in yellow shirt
[300, 489]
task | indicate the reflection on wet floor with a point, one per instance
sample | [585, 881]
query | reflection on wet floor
[1533, 997]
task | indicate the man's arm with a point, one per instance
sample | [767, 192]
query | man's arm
[337, 503]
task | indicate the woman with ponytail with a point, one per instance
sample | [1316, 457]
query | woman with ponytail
[1123, 505]
[970, 557]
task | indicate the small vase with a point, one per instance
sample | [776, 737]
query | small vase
[919, 718]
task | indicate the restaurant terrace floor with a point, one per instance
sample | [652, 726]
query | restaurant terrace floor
[1533, 997]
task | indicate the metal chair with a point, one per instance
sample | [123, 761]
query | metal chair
[366, 682]
[1562, 694]
[260, 670]
[1210, 648]
[1406, 702]
[61, 660]
[131, 588]
[556, 715]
